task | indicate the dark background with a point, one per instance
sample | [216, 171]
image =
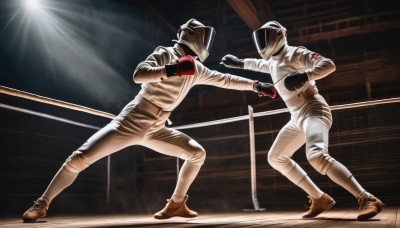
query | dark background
[85, 52]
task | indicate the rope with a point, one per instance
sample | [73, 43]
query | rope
[34, 97]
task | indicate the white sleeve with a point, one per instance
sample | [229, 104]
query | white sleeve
[259, 65]
[316, 66]
[211, 77]
[153, 68]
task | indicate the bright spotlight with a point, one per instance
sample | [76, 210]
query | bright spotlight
[32, 4]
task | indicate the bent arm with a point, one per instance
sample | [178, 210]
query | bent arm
[322, 69]
[146, 73]
[153, 68]
[317, 66]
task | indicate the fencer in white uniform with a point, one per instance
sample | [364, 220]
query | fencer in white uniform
[166, 76]
[294, 71]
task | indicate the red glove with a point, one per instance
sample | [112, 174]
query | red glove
[266, 90]
[185, 66]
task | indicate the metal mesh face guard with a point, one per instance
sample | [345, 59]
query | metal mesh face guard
[197, 37]
[209, 34]
[269, 39]
[261, 37]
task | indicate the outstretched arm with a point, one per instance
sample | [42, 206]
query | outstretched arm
[232, 61]
[228, 81]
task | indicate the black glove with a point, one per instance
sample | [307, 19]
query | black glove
[185, 66]
[232, 61]
[265, 89]
[295, 80]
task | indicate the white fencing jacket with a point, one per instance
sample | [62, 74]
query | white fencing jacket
[292, 59]
[167, 93]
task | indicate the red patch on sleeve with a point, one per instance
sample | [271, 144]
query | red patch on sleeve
[314, 57]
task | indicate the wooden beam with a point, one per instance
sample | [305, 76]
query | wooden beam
[346, 27]
[250, 12]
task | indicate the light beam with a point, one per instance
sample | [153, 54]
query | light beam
[81, 44]
[32, 5]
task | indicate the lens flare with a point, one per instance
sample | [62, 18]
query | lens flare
[32, 5]
[88, 46]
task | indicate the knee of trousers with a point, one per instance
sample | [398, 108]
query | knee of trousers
[321, 162]
[296, 174]
[197, 156]
[76, 162]
[278, 162]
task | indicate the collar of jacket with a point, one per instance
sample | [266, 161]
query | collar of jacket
[178, 50]
[281, 53]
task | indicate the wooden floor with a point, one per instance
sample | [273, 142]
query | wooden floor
[333, 218]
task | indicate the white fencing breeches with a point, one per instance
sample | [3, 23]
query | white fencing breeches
[140, 123]
[309, 125]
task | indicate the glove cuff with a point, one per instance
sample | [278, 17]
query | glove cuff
[255, 86]
[303, 77]
[241, 63]
[171, 70]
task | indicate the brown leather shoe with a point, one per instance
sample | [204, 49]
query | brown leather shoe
[38, 210]
[317, 206]
[369, 206]
[173, 209]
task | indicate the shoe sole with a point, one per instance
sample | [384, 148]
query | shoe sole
[329, 207]
[366, 217]
[29, 221]
[175, 216]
